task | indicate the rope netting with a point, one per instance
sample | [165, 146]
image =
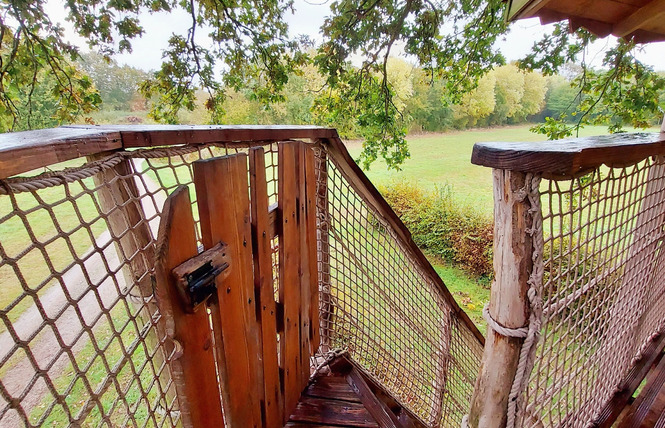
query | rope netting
[603, 290]
[389, 314]
[80, 337]
[81, 340]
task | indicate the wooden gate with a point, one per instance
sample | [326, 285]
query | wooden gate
[242, 356]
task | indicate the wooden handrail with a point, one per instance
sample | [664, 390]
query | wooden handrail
[570, 157]
[21, 152]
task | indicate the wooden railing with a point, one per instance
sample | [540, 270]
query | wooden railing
[77, 256]
[576, 306]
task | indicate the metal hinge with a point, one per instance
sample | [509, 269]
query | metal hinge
[196, 278]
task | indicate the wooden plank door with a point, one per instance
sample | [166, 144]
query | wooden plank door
[260, 378]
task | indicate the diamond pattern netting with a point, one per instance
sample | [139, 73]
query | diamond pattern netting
[79, 328]
[603, 289]
[389, 314]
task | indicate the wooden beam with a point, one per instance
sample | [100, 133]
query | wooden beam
[193, 371]
[25, 151]
[527, 10]
[570, 157]
[168, 135]
[379, 411]
[653, 10]
[630, 383]
[513, 248]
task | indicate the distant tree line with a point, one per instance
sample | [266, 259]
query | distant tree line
[506, 95]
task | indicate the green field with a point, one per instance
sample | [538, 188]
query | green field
[445, 160]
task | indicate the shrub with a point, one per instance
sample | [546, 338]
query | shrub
[442, 226]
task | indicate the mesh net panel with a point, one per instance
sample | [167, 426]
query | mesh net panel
[389, 314]
[603, 289]
[80, 337]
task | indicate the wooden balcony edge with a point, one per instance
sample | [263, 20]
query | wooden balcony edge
[570, 157]
[25, 151]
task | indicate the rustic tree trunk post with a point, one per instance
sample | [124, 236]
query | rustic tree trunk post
[662, 127]
[509, 306]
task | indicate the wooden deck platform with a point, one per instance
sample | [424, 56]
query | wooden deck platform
[342, 396]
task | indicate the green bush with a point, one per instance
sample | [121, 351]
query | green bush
[442, 226]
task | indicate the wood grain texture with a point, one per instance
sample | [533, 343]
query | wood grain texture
[223, 201]
[311, 263]
[193, 372]
[508, 306]
[636, 20]
[648, 406]
[263, 288]
[28, 150]
[332, 412]
[332, 386]
[119, 199]
[379, 411]
[630, 383]
[25, 151]
[167, 135]
[289, 273]
[305, 273]
[652, 11]
[570, 157]
[361, 184]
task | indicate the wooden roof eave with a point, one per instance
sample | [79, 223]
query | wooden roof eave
[643, 25]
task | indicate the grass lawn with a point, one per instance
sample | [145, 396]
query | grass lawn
[445, 160]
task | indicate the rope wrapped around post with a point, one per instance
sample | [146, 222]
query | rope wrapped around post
[519, 236]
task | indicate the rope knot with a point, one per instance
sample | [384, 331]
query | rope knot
[520, 332]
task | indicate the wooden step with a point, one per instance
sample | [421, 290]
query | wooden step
[649, 406]
[344, 397]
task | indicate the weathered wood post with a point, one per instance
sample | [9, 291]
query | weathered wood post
[323, 250]
[509, 304]
[119, 198]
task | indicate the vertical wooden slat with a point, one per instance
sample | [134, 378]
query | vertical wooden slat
[194, 371]
[310, 224]
[289, 280]
[119, 197]
[263, 288]
[223, 200]
[305, 281]
[323, 246]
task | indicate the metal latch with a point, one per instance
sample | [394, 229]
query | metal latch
[196, 278]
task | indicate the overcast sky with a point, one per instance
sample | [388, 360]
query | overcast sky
[309, 16]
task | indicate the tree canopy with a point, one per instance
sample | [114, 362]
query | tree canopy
[234, 47]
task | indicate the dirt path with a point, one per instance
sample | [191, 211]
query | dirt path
[58, 318]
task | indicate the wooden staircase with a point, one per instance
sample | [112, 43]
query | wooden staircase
[341, 396]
